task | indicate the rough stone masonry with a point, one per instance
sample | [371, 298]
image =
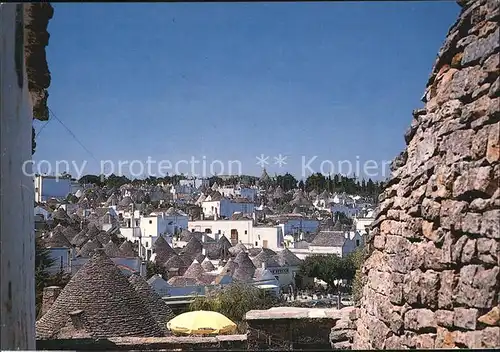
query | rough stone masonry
[432, 271]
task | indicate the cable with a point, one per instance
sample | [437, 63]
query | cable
[41, 129]
[74, 136]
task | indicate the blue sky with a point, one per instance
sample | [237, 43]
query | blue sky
[232, 81]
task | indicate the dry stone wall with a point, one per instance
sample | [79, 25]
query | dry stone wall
[432, 272]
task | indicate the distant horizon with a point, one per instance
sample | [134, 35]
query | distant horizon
[188, 177]
[257, 84]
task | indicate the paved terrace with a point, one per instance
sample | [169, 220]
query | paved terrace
[279, 328]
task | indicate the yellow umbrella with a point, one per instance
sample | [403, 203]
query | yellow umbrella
[201, 322]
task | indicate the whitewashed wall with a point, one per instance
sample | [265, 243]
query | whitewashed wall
[17, 289]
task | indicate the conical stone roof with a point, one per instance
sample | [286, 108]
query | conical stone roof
[175, 261]
[112, 250]
[92, 231]
[158, 309]
[244, 274]
[88, 248]
[103, 237]
[287, 258]
[264, 178]
[57, 239]
[80, 239]
[61, 215]
[127, 249]
[235, 250]
[194, 271]
[109, 305]
[112, 200]
[70, 232]
[245, 269]
[192, 248]
[230, 267]
[125, 202]
[200, 258]
[163, 250]
[313, 194]
[267, 258]
[207, 265]
[278, 193]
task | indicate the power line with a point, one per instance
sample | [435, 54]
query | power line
[73, 135]
[41, 129]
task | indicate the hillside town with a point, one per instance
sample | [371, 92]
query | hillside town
[199, 234]
[177, 241]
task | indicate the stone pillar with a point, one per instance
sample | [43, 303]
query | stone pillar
[432, 273]
[50, 295]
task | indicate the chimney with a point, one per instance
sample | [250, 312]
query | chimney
[203, 251]
[49, 296]
[263, 265]
[73, 252]
[254, 218]
[217, 236]
[143, 269]
[77, 319]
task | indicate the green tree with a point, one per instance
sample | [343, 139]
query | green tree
[116, 181]
[330, 268]
[234, 301]
[152, 269]
[91, 179]
[43, 262]
[316, 182]
[286, 181]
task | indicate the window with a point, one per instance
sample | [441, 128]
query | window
[245, 232]
[218, 232]
[147, 244]
[256, 243]
[150, 221]
[357, 243]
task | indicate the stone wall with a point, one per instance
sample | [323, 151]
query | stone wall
[288, 328]
[432, 272]
[171, 343]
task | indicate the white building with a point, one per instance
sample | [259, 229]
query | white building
[225, 208]
[42, 211]
[296, 223]
[329, 242]
[47, 187]
[146, 229]
[167, 223]
[363, 224]
[195, 183]
[333, 242]
[238, 192]
[243, 231]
